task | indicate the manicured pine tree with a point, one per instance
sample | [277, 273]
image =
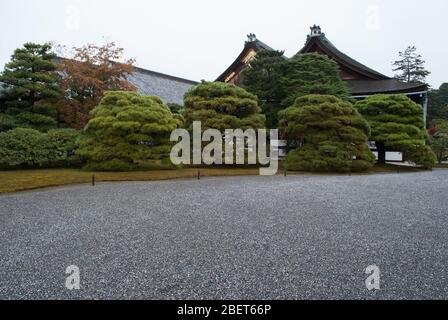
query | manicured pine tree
[30, 88]
[397, 123]
[222, 106]
[332, 134]
[125, 129]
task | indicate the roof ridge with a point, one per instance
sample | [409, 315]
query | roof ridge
[165, 75]
[147, 71]
[351, 59]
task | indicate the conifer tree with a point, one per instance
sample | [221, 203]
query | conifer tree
[126, 128]
[397, 124]
[411, 66]
[30, 89]
[311, 73]
[263, 80]
[333, 135]
[222, 106]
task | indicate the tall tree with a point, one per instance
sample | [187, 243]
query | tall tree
[91, 72]
[397, 124]
[333, 134]
[311, 73]
[263, 80]
[30, 86]
[438, 104]
[411, 66]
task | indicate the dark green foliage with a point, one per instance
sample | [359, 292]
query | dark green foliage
[438, 104]
[439, 140]
[175, 108]
[411, 66]
[333, 134]
[22, 147]
[29, 148]
[113, 165]
[222, 106]
[62, 147]
[7, 122]
[397, 124]
[421, 155]
[31, 88]
[311, 73]
[263, 80]
[126, 128]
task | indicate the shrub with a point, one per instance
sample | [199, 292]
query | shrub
[7, 122]
[23, 147]
[62, 148]
[111, 165]
[29, 148]
[421, 155]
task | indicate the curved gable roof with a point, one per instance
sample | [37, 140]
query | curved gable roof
[321, 43]
[255, 45]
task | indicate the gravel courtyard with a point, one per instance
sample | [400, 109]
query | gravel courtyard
[296, 237]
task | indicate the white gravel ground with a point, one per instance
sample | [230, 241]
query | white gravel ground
[298, 237]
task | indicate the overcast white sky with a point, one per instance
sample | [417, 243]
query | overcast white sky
[198, 39]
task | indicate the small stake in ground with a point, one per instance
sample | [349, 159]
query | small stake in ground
[93, 180]
[199, 174]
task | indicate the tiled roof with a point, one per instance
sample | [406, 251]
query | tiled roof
[373, 81]
[169, 88]
[339, 56]
[367, 87]
[255, 45]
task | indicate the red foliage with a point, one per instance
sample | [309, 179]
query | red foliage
[86, 77]
[433, 130]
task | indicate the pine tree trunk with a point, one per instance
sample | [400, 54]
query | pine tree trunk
[32, 100]
[381, 148]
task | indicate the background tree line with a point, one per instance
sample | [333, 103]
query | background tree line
[119, 129]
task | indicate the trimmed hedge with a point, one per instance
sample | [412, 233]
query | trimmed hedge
[29, 148]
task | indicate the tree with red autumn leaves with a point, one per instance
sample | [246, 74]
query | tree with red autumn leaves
[91, 72]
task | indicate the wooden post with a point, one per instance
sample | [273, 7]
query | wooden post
[93, 180]
[286, 171]
[199, 174]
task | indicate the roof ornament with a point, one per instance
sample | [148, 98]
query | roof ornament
[251, 37]
[316, 31]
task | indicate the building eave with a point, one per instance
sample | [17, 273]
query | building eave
[388, 86]
[256, 46]
[322, 43]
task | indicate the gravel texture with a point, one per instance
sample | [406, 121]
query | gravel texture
[297, 237]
